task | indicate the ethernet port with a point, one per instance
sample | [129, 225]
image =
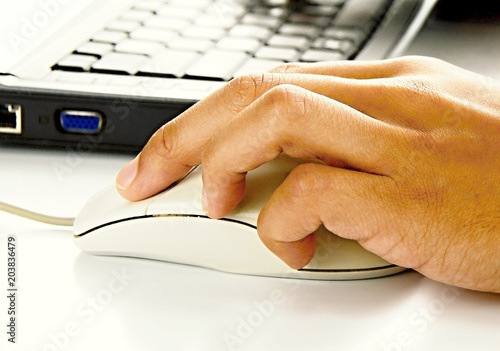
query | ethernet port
[10, 118]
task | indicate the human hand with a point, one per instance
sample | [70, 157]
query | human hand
[410, 152]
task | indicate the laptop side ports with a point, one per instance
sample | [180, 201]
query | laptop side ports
[10, 119]
[81, 122]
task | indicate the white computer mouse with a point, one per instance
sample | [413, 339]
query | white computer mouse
[172, 226]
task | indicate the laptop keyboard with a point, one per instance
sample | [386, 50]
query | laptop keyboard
[221, 39]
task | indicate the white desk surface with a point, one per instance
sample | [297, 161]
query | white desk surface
[68, 300]
[82, 302]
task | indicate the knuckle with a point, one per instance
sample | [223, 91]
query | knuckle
[288, 101]
[288, 68]
[303, 181]
[411, 64]
[419, 87]
[244, 89]
[415, 66]
[417, 91]
[164, 141]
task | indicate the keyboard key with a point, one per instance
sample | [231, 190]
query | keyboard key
[239, 44]
[96, 49]
[320, 10]
[210, 33]
[108, 36]
[326, 2]
[344, 46]
[314, 55]
[186, 13]
[218, 64]
[132, 46]
[169, 62]
[120, 63]
[273, 53]
[175, 24]
[299, 43]
[354, 35]
[148, 5]
[210, 20]
[191, 44]
[77, 62]
[272, 11]
[319, 21]
[136, 15]
[154, 34]
[261, 20]
[256, 66]
[275, 2]
[300, 30]
[126, 26]
[250, 31]
[198, 4]
[278, 12]
[226, 8]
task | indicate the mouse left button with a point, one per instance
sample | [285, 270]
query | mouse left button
[107, 206]
[182, 198]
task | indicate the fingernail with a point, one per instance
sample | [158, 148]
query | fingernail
[127, 174]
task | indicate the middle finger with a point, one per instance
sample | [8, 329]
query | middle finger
[301, 124]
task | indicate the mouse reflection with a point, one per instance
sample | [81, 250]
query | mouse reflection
[183, 307]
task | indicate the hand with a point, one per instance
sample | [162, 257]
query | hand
[410, 152]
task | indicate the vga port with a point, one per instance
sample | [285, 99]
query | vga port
[81, 122]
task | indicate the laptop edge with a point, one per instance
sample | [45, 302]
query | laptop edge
[33, 99]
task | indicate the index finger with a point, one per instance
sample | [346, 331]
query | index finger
[178, 145]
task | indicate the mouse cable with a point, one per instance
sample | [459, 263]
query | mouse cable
[21, 212]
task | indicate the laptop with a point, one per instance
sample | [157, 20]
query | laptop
[111, 76]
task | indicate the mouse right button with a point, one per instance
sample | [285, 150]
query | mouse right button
[338, 255]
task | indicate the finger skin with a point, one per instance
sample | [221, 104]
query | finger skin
[358, 69]
[179, 144]
[346, 202]
[338, 137]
